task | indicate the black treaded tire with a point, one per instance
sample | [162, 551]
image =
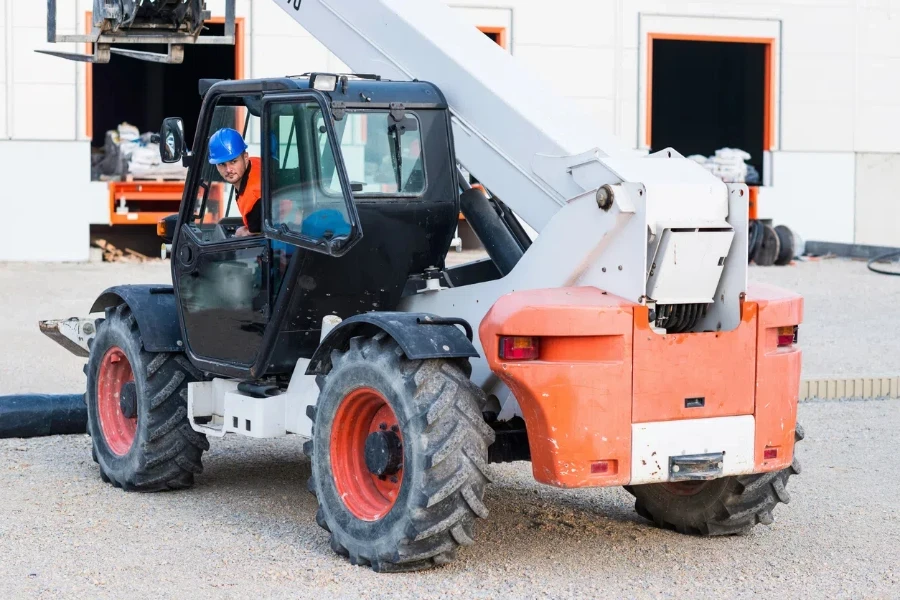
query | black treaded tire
[444, 450]
[165, 453]
[726, 506]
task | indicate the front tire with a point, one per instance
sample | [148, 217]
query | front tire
[398, 456]
[726, 506]
[137, 410]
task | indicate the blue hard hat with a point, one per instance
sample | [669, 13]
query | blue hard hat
[224, 145]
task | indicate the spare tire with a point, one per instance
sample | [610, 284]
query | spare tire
[769, 247]
[785, 245]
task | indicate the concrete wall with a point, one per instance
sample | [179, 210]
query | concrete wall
[877, 216]
[838, 97]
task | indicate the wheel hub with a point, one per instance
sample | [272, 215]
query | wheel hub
[117, 401]
[367, 454]
[128, 401]
[384, 453]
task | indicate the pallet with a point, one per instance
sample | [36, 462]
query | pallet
[132, 178]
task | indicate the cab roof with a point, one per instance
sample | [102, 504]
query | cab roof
[351, 89]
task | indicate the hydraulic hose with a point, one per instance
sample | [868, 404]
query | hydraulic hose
[36, 415]
[892, 254]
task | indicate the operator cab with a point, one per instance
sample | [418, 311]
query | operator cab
[359, 193]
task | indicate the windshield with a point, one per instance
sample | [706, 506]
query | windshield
[382, 156]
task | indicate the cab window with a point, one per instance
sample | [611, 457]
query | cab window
[214, 215]
[298, 204]
[382, 156]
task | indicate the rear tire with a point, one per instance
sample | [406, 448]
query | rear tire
[420, 520]
[725, 506]
[145, 443]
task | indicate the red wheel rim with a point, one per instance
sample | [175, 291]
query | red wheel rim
[368, 496]
[685, 488]
[115, 372]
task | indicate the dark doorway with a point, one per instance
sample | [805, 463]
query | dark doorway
[144, 93]
[707, 95]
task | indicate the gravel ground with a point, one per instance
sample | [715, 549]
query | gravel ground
[247, 528]
[836, 338]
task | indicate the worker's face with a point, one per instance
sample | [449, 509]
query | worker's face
[233, 170]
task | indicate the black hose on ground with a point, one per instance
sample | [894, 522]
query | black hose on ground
[892, 254]
[36, 415]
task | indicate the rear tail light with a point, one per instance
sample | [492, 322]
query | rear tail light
[787, 335]
[770, 453]
[519, 348]
[604, 467]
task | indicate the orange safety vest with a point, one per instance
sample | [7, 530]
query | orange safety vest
[251, 190]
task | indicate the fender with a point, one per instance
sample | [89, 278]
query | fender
[420, 336]
[155, 311]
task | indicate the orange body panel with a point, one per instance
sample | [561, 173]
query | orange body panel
[576, 400]
[601, 369]
[777, 376]
[717, 366]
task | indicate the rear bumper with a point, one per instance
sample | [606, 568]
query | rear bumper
[607, 393]
[656, 447]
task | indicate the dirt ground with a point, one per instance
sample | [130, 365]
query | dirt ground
[247, 528]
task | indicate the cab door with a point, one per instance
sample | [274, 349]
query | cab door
[226, 285]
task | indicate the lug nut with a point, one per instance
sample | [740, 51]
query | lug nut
[393, 479]
[382, 426]
[395, 428]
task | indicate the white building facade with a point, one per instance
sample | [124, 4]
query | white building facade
[830, 84]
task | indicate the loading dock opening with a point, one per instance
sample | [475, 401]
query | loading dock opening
[142, 94]
[706, 93]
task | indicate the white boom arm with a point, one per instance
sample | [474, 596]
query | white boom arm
[502, 116]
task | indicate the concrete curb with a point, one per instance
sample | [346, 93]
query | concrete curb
[814, 248]
[830, 388]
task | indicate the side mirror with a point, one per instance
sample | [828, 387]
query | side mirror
[171, 140]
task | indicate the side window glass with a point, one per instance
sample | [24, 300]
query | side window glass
[382, 156]
[299, 206]
[216, 213]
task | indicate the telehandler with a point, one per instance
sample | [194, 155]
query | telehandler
[610, 337]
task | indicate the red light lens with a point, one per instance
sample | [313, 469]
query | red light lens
[787, 336]
[604, 467]
[770, 453]
[519, 348]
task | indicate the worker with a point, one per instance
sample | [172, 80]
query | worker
[228, 152]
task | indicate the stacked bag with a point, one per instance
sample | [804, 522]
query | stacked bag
[729, 165]
[126, 151]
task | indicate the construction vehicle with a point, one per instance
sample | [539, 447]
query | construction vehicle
[619, 346]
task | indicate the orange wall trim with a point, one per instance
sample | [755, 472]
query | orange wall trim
[769, 83]
[89, 71]
[500, 32]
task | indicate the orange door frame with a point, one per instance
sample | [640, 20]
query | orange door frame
[500, 32]
[89, 71]
[769, 82]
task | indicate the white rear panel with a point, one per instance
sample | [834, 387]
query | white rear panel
[653, 443]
